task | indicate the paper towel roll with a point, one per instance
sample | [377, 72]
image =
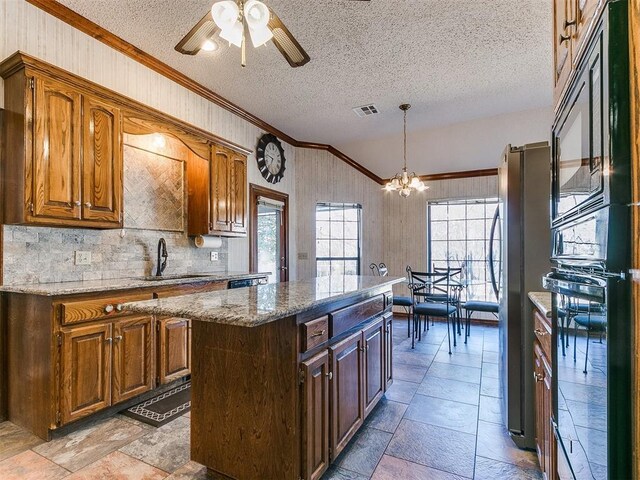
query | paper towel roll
[208, 242]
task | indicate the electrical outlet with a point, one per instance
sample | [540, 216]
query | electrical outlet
[214, 256]
[83, 258]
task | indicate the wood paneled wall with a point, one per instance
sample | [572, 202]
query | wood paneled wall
[324, 178]
[405, 220]
[634, 50]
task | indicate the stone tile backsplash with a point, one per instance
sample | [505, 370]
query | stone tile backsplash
[43, 254]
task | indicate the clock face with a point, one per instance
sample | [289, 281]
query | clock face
[270, 158]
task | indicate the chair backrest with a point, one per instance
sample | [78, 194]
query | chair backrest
[379, 270]
[427, 282]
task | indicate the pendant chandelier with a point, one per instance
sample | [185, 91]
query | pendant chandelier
[234, 18]
[404, 183]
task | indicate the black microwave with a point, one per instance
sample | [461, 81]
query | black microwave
[590, 167]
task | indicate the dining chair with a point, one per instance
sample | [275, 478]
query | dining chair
[421, 285]
[455, 276]
[398, 301]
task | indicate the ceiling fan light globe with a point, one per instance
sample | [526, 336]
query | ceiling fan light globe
[234, 34]
[257, 14]
[260, 36]
[225, 14]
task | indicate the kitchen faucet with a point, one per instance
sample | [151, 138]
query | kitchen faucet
[162, 253]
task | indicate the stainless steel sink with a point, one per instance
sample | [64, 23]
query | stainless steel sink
[154, 278]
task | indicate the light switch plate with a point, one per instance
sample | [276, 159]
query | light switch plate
[83, 258]
[303, 256]
[214, 256]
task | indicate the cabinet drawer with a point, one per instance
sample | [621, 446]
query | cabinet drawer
[542, 330]
[315, 333]
[347, 318]
[98, 308]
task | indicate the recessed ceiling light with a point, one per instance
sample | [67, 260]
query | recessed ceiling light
[209, 46]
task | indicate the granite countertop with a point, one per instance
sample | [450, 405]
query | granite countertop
[542, 301]
[71, 288]
[254, 306]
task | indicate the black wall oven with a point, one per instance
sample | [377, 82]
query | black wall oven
[591, 251]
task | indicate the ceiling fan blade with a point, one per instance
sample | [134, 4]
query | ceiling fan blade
[204, 30]
[286, 43]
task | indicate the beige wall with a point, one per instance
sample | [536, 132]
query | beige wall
[324, 178]
[405, 220]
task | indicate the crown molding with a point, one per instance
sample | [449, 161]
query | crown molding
[485, 172]
[94, 30]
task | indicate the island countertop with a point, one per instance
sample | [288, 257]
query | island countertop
[255, 306]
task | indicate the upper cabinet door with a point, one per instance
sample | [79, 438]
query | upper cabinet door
[56, 161]
[585, 11]
[239, 194]
[102, 162]
[220, 189]
[563, 13]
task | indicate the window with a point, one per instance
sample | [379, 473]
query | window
[458, 236]
[338, 228]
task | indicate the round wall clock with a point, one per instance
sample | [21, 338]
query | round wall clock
[270, 157]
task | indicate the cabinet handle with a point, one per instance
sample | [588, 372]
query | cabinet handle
[318, 334]
[538, 377]
[119, 307]
[87, 204]
[118, 338]
[564, 38]
[108, 308]
[540, 332]
[330, 375]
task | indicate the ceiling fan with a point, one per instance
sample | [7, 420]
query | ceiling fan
[231, 19]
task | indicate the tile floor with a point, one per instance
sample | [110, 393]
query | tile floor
[440, 420]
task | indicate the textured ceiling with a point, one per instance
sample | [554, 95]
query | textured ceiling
[453, 60]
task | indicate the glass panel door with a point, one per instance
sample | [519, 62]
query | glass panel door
[270, 258]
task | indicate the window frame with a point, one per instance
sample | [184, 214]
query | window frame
[344, 206]
[487, 218]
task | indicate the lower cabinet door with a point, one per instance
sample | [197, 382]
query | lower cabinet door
[174, 349]
[388, 353]
[347, 391]
[549, 437]
[538, 372]
[315, 416]
[133, 359]
[86, 371]
[374, 376]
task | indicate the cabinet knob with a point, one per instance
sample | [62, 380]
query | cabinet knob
[108, 308]
[77, 203]
[540, 332]
[119, 307]
[538, 377]
[108, 339]
[329, 375]
[88, 204]
[118, 338]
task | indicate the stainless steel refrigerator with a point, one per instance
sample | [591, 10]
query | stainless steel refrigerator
[521, 238]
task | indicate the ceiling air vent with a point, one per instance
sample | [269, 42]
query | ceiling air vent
[366, 110]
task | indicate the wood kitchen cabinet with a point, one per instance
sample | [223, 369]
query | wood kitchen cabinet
[347, 392]
[174, 349]
[63, 166]
[86, 371]
[315, 416]
[542, 373]
[573, 23]
[388, 352]
[374, 361]
[218, 194]
[133, 357]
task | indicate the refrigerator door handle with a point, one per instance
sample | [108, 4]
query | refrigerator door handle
[492, 237]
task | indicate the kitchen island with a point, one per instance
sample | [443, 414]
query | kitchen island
[283, 375]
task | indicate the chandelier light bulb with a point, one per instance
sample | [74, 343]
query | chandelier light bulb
[209, 46]
[225, 14]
